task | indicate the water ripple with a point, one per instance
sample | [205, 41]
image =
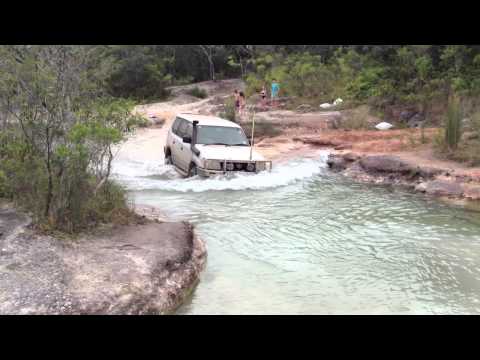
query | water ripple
[302, 240]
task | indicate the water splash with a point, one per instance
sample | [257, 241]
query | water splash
[139, 176]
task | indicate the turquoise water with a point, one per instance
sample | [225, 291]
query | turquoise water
[302, 240]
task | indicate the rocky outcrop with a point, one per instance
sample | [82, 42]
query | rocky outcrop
[318, 141]
[472, 192]
[337, 163]
[389, 169]
[384, 163]
[394, 165]
[136, 269]
[441, 188]
[341, 162]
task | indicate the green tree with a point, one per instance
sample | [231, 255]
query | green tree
[60, 128]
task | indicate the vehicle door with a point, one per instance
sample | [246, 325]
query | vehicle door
[186, 148]
[180, 147]
[174, 141]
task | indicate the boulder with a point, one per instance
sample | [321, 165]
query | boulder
[428, 172]
[443, 188]
[418, 120]
[351, 157]
[336, 162]
[384, 163]
[384, 126]
[422, 187]
[335, 120]
[337, 102]
[326, 106]
[407, 115]
[472, 192]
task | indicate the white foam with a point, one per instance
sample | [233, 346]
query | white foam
[137, 175]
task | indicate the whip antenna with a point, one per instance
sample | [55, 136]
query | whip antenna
[253, 131]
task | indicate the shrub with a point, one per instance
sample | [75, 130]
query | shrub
[229, 111]
[357, 119]
[55, 160]
[3, 184]
[476, 123]
[453, 124]
[197, 92]
[137, 121]
[262, 129]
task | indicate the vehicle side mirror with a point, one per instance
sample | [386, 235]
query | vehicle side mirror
[187, 140]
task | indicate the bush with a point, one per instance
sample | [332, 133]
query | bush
[357, 119]
[197, 92]
[476, 123]
[262, 130]
[55, 159]
[453, 124]
[109, 205]
[3, 184]
[229, 111]
[137, 121]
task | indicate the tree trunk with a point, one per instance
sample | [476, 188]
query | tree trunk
[212, 70]
[49, 171]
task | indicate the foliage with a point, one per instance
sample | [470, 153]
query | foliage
[357, 119]
[453, 124]
[262, 129]
[60, 129]
[229, 111]
[402, 73]
[198, 93]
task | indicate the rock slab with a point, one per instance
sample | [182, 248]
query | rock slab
[133, 270]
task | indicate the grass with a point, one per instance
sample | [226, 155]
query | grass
[357, 119]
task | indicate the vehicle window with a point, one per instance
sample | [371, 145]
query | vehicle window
[222, 135]
[175, 126]
[182, 128]
[189, 131]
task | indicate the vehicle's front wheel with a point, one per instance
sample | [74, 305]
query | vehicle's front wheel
[192, 171]
[168, 160]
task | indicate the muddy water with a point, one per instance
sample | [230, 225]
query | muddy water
[302, 240]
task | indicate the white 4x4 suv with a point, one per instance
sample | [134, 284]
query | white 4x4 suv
[207, 145]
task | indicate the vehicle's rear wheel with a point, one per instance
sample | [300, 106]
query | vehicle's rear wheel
[192, 171]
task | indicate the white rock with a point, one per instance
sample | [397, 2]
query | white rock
[384, 126]
[326, 106]
[338, 101]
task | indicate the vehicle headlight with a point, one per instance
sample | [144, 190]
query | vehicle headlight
[261, 166]
[213, 165]
[251, 167]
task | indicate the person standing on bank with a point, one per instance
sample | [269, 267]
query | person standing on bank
[242, 103]
[275, 91]
[263, 95]
[237, 100]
